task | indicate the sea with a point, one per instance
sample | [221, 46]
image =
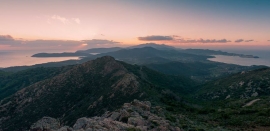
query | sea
[23, 58]
[264, 58]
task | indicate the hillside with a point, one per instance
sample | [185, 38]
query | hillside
[208, 52]
[191, 63]
[242, 85]
[92, 88]
[88, 89]
[238, 101]
[147, 55]
[99, 50]
[12, 82]
[154, 45]
[201, 71]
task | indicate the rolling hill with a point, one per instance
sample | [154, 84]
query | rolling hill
[87, 89]
[243, 85]
[147, 55]
[12, 82]
[239, 101]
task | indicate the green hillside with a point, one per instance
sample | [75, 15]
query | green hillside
[239, 101]
[12, 82]
[88, 89]
[242, 85]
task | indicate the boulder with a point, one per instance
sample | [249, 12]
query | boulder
[46, 124]
[132, 116]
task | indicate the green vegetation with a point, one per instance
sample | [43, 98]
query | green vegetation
[148, 55]
[12, 82]
[200, 71]
[240, 101]
[88, 90]
[208, 52]
[193, 93]
[238, 86]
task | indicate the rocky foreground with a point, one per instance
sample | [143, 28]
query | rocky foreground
[134, 116]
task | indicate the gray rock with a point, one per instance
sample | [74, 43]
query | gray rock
[123, 115]
[81, 123]
[46, 124]
[65, 128]
[132, 116]
[115, 115]
[136, 121]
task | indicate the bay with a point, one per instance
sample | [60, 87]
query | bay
[264, 58]
[22, 58]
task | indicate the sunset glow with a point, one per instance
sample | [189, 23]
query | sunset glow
[185, 23]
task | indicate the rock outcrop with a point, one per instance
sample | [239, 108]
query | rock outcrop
[46, 123]
[134, 116]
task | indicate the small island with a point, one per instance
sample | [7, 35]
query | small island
[64, 54]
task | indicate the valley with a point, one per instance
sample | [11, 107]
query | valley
[193, 93]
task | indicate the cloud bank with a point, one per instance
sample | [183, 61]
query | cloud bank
[11, 43]
[155, 38]
[203, 41]
[242, 40]
[239, 40]
[100, 42]
[175, 39]
[6, 38]
[249, 40]
[178, 39]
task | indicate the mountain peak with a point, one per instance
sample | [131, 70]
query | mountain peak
[105, 59]
[154, 45]
[86, 89]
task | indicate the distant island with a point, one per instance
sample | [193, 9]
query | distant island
[79, 53]
[64, 54]
[90, 52]
[214, 52]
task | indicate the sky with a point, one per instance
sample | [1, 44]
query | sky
[70, 25]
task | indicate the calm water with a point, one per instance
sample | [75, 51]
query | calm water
[20, 58]
[263, 60]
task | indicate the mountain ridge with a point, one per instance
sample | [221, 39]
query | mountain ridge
[87, 89]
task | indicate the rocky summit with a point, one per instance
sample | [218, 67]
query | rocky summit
[134, 116]
[87, 89]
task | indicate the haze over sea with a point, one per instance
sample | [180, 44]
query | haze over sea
[21, 58]
[263, 60]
